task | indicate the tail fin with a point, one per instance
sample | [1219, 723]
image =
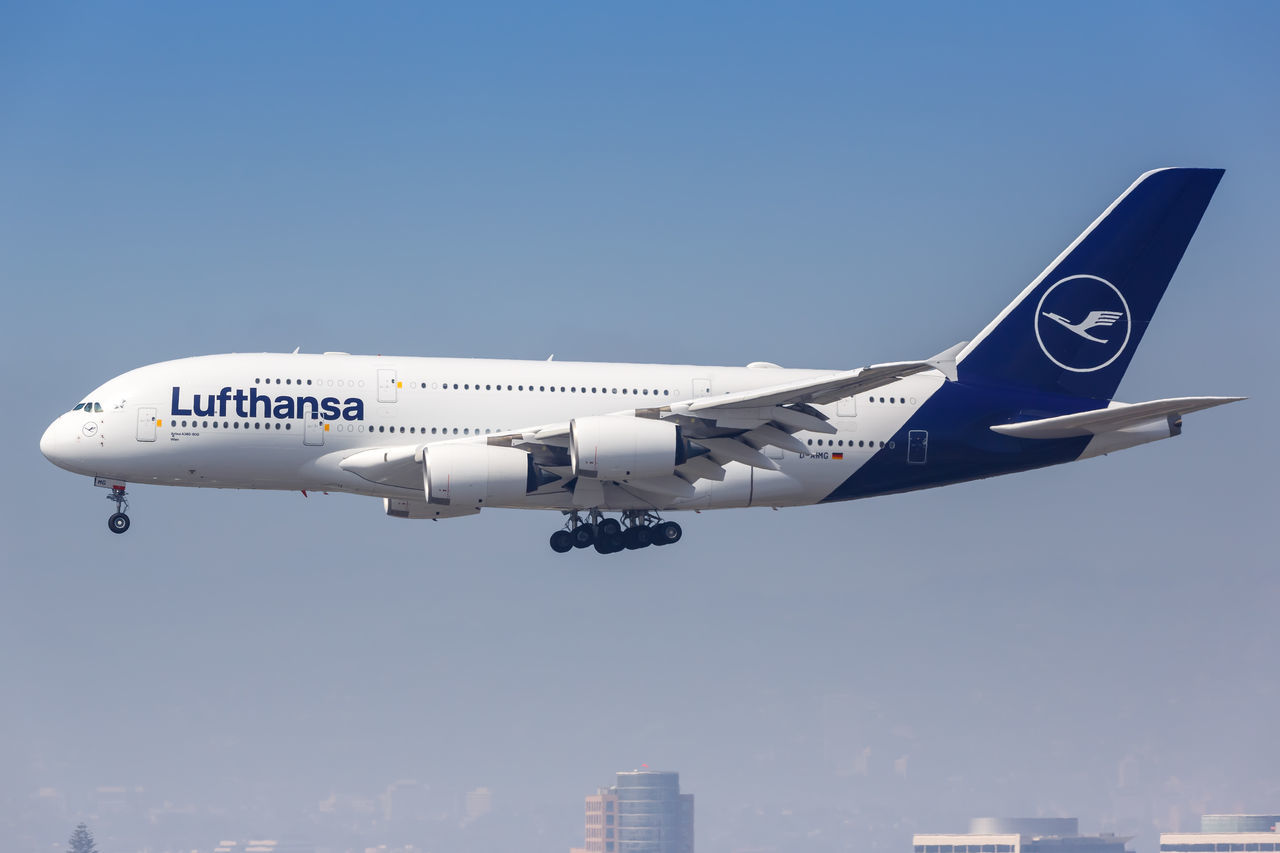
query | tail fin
[1075, 328]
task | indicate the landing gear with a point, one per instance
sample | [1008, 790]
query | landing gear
[118, 522]
[667, 533]
[636, 529]
[561, 541]
[583, 535]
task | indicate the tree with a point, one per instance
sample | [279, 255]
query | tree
[82, 841]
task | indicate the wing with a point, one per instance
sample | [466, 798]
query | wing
[729, 428]
[1100, 318]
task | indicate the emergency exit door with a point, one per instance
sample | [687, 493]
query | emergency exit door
[917, 446]
[387, 386]
[147, 424]
[313, 429]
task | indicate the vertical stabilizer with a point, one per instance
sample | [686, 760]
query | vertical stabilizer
[1074, 329]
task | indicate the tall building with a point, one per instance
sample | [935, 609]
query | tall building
[1020, 835]
[643, 813]
[1228, 833]
[477, 804]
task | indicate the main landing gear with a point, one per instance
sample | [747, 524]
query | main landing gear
[118, 522]
[635, 530]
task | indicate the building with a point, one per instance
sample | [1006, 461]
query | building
[476, 804]
[1227, 833]
[643, 813]
[1020, 835]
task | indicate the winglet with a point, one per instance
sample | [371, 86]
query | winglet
[945, 361]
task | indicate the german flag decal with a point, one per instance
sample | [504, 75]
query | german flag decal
[837, 455]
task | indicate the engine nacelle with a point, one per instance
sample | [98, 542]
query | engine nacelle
[622, 448]
[473, 475]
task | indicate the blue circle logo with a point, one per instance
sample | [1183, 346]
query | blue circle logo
[1082, 323]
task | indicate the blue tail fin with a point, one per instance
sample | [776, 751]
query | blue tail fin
[1075, 328]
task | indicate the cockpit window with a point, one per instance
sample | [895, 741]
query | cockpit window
[79, 406]
[97, 407]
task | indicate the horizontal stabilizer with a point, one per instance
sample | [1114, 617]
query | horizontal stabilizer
[1117, 416]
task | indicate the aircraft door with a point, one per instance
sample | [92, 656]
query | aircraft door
[387, 386]
[917, 446]
[313, 430]
[702, 387]
[847, 407]
[147, 424]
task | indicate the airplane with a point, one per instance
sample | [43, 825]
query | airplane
[442, 438]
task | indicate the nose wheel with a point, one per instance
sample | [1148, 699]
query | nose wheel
[118, 522]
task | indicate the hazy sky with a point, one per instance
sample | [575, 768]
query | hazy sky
[817, 185]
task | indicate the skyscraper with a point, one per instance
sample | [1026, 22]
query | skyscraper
[643, 813]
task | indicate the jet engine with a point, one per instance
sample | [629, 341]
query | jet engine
[477, 474]
[622, 448]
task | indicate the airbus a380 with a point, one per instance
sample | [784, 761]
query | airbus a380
[440, 438]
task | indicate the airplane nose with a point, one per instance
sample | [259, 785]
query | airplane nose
[53, 444]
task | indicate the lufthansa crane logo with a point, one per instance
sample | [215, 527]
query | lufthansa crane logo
[1082, 323]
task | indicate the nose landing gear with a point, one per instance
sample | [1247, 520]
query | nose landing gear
[118, 522]
[635, 530]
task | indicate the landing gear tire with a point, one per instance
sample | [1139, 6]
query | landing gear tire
[667, 533]
[609, 527]
[118, 522]
[561, 541]
[637, 537]
[610, 543]
[583, 536]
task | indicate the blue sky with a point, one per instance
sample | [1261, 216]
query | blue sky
[818, 185]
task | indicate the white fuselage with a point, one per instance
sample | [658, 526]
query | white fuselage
[287, 421]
